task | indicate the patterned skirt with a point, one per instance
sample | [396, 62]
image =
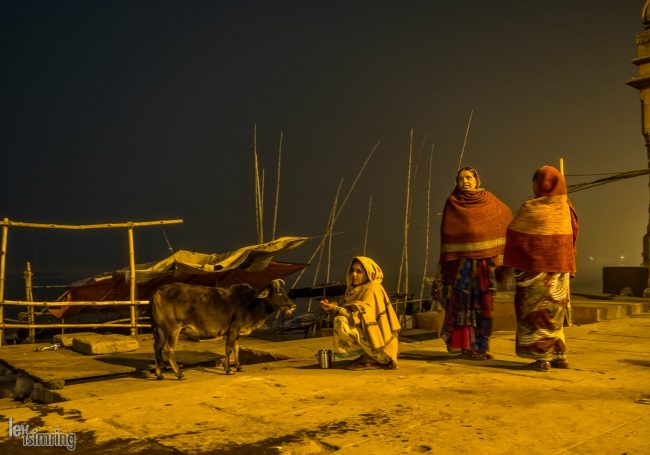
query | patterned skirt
[467, 298]
[541, 301]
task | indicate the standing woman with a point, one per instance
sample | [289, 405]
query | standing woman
[472, 235]
[365, 322]
[541, 247]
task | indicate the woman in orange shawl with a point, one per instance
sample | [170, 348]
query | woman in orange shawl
[473, 231]
[365, 322]
[540, 246]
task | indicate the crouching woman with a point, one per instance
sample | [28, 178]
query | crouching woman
[365, 322]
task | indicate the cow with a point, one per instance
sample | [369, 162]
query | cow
[202, 312]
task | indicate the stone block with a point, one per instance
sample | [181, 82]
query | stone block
[104, 344]
[65, 339]
[429, 320]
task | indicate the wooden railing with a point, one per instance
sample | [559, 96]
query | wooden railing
[132, 302]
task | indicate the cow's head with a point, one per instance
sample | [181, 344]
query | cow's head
[277, 296]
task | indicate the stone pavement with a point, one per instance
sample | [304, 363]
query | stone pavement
[435, 403]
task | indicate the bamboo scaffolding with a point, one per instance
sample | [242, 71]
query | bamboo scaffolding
[462, 151]
[427, 228]
[322, 242]
[365, 236]
[277, 187]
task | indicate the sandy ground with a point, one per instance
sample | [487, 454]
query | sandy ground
[434, 403]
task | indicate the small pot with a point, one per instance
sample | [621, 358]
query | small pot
[325, 358]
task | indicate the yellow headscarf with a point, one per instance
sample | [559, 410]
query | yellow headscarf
[373, 271]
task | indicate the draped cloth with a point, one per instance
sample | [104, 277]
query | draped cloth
[472, 243]
[542, 236]
[541, 302]
[473, 225]
[371, 325]
[468, 300]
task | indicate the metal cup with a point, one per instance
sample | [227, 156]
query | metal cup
[325, 358]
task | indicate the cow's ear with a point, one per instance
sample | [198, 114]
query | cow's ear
[263, 294]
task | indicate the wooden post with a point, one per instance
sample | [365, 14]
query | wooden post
[132, 283]
[29, 296]
[3, 256]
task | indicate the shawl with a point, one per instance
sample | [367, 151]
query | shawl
[473, 225]
[378, 318]
[542, 236]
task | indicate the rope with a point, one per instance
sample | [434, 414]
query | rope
[602, 181]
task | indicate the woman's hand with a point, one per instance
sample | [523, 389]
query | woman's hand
[327, 306]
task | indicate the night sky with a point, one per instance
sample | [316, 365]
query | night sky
[116, 111]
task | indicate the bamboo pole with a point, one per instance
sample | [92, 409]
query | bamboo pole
[7, 223]
[3, 257]
[277, 187]
[262, 208]
[331, 230]
[365, 237]
[29, 295]
[322, 242]
[404, 262]
[93, 303]
[256, 178]
[68, 326]
[406, 231]
[320, 254]
[462, 151]
[427, 229]
[134, 330]
[415, 175]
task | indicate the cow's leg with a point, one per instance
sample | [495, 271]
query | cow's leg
[170, 346]
[229, 346]
[238, 366]
[158, 343]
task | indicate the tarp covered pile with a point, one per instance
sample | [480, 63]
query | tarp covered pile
[251, 264]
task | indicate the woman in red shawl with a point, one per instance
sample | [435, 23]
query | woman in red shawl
[473, 231]
[540, 246]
